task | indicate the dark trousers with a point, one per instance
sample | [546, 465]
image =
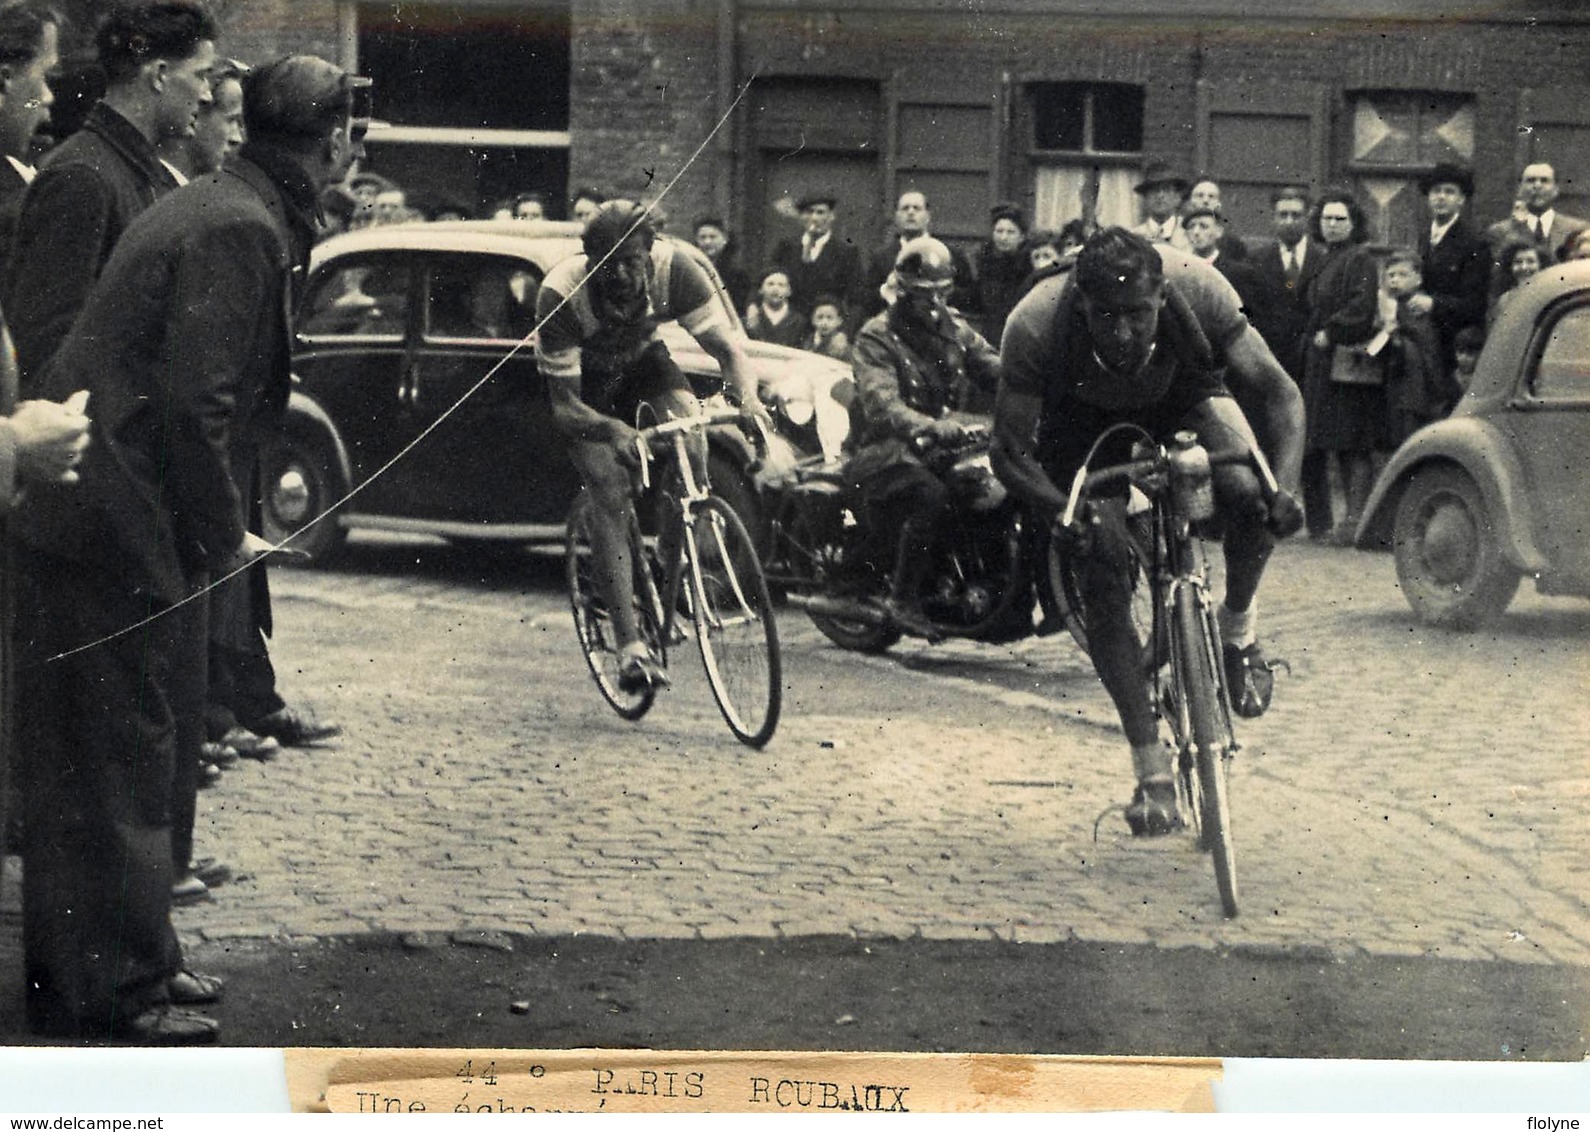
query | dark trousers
[99, 744]
[189, 670]
[1316, 476]
[242, 682]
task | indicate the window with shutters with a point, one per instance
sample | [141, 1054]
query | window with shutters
[1085, 146]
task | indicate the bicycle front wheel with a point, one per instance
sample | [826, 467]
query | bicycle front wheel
[1197, 659]
[593, 624]
[734, 622]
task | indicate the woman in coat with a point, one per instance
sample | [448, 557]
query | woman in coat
[1348, 420]
[1002, 266]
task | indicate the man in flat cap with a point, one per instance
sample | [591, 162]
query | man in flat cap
[184, 346]
[1456, 258]
[1163, 190]
[820, 262]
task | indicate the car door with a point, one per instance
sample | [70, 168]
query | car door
[1550, 423]
[492, 456]
[353, 343]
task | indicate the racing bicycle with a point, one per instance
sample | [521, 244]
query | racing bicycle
[701, 573]
[1168, 494]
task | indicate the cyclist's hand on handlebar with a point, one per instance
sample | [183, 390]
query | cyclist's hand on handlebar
[946, 431]
[1286, 515]
[625, 441]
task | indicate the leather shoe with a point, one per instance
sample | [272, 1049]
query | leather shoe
[189, 889]
[167, 1025]
[190, 988]
[250, 745]
[290, 729]
[211, 871]
[209, 775]
[218, 754]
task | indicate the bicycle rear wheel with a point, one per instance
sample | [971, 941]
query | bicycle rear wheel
[734, 622]
[593, 624]
[1196, 657]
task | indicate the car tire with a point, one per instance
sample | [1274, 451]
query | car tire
[1449, 559]
[301, 479]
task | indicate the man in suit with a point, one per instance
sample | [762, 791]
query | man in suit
[184, 343]
[913, 218]
[1284, 268]
[820, 262]
[1456, 259]
[1540, 221]
[1162, 191]
[29, 53]
[157, 56]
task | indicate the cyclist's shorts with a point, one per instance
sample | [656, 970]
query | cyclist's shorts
[617, 393]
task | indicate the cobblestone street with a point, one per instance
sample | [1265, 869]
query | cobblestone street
[1411, 793]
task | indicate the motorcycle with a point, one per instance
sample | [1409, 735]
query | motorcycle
[984, 578]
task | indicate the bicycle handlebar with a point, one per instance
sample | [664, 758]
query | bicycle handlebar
[653, 435]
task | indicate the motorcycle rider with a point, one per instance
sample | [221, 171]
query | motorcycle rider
[600, 355]
[914, 364]
[1140, 334]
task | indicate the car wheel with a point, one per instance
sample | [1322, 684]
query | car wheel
[1449, 560]
[301, 480]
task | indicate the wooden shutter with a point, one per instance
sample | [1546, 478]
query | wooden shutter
[1253, 138]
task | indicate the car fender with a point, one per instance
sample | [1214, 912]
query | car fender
[303, 408]
[1486, 456]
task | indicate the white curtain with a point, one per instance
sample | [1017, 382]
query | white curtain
[1061, 193]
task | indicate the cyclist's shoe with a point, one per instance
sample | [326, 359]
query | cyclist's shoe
[639, 670]
[1152, 811]
[1250, 679]
[910, 617]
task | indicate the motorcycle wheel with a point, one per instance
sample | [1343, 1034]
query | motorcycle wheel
[857, 636]
[1010, 617]
[821, 558]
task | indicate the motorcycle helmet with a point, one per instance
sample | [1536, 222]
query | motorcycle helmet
[925, 266]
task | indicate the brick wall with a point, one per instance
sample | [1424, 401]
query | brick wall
[643, 98]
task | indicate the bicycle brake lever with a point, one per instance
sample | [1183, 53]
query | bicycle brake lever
[643, 450]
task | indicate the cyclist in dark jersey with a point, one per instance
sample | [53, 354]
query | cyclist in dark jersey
[600, 355]
[1148, 336]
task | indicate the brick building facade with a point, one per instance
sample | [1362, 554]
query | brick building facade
[1043, 102]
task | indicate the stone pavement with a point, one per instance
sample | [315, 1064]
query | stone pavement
[1412, 792]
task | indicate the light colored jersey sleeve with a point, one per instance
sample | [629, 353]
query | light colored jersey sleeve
[692, 298]
[562, 332]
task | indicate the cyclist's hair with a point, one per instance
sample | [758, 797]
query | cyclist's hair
[22, 31]
[613, 223]
[137, 31]
[1114, 260]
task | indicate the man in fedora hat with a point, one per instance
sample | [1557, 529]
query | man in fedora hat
[1456, 258]
[1163, 190]
[820, 261]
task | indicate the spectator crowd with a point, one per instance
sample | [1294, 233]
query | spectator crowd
[131, 416]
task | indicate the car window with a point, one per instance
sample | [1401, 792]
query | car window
[485, 298]
[365, 298]
[1563, 372]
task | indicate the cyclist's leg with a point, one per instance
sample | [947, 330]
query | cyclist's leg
[1248, 545]
[607, 481]
[666, 391]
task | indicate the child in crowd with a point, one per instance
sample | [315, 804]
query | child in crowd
[1466, 346]
[771, 318]
[1418, 389]
[827, 335]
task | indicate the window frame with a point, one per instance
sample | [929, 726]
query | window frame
[1357, 167]
[1039, 155]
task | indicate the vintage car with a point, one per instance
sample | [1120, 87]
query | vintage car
[1471, 504]
[415, 389]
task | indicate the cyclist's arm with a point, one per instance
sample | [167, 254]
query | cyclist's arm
[1258, 382]
[575, 420]
[1015, 460]
[739, 378]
